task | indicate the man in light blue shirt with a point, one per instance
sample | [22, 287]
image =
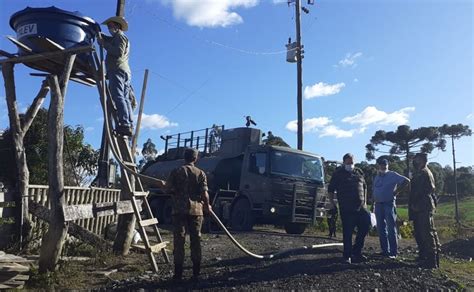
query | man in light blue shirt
[387, 184]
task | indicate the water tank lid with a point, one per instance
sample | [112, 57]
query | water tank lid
[51, 9]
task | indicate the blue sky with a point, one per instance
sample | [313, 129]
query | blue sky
[368, 65]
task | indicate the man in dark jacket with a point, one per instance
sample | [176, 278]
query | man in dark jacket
[349, 184]
[188, 184]
[421, 206]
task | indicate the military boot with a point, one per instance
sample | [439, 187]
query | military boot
[196, 271]
[178, 272]
[430, 262]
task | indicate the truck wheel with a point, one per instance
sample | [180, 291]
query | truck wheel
[241, 218]
[295, 228]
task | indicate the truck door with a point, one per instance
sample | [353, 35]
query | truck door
[254, 178]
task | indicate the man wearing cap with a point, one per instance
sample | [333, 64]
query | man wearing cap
[118, 71]
[421, 206]
[188, 186]
[387, 185]
[349, 184]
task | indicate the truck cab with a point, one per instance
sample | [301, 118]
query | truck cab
[249, 182]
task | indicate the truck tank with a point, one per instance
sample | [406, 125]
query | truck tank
[222, 173]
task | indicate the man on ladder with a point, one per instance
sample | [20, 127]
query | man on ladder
[118, 71]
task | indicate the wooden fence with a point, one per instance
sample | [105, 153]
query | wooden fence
[77, 196]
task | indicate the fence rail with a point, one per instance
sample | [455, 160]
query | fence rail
[77, 196]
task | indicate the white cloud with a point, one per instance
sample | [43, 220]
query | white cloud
[209, 13]
[470, 117]
[371, 115]
[349, 60]
[335, 131]
[89, 129]
[322, 89]
[156, 121]
[280, 1]
[309, 125]
[356, 80]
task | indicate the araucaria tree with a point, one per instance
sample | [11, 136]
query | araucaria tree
[404, 142]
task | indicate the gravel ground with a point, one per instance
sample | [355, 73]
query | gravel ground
[226, 267]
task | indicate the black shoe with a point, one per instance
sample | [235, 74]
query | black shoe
[124, 130]
[360, 258]
[430, 263]
[177, 278]
[196, 270]
[178, 273]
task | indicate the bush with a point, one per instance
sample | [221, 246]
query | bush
[406, 230]
[321, 225]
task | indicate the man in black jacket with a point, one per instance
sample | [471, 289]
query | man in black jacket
[349, 184]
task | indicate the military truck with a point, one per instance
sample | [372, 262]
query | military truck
[249, 182]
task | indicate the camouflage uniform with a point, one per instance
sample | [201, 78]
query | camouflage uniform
[421, 206]
[187, 183]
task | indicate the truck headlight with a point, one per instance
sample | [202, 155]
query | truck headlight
[272, 210]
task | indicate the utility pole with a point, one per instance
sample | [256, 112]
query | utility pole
[120, 8]
[456, 203]
[299, 69]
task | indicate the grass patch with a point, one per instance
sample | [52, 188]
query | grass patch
[459, 271]
[445, 212]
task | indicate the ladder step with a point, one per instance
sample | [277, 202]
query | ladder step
[148, 222]
[154, 248]
[140, 194]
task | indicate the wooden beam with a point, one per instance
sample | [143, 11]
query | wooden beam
[6, 54]
[154, 248]
[140, 112]
[48, 55]
[85, 211]
[35, 106]
[74, 229]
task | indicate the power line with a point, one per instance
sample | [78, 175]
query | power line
[212, 42]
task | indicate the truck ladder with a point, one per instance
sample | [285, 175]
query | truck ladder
[120, 146]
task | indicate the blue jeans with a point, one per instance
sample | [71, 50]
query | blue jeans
[386, 215]
[351, 220]
[119, 86]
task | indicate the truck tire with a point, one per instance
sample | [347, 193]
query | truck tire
[241, 217]
[295, 228]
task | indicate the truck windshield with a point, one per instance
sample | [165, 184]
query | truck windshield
[297, 165]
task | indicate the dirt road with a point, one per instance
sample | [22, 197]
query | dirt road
[224, 266]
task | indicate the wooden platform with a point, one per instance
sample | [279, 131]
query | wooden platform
[48, 58]
[13, 271]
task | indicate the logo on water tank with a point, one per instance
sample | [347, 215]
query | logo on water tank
[27, 29]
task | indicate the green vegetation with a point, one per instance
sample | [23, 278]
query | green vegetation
[459, 272]
[445, 211]
[444, 218]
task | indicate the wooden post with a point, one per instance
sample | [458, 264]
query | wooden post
[18, 130]
[20, 154]
[120, 11]
[53, 241]
[140, 113]
[126, 222]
